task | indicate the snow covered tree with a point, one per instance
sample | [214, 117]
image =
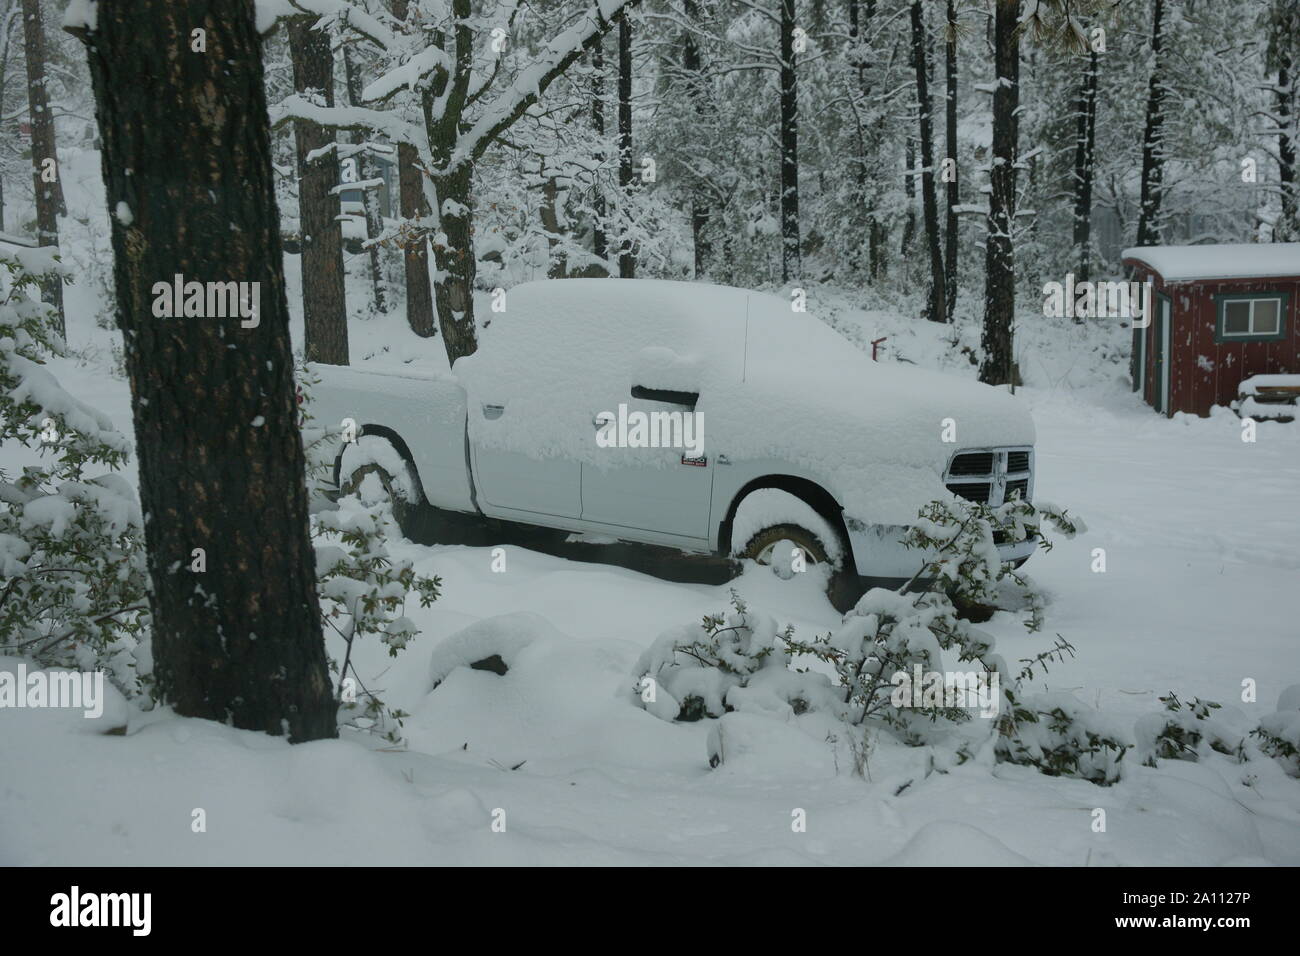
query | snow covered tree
[442, 64]
[1153, 146]
[791, 252]
[697, 93]
[45, 157]
[999, 259]
[187, 177]
[953, 181]
[413, 207]
[324, 307]
[369, 185]
[1283, 58]
[936, 307]
[626, 255]
[1085, 149]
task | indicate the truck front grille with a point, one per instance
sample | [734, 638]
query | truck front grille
[991, 476]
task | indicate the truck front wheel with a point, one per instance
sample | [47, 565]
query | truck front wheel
[371, 483]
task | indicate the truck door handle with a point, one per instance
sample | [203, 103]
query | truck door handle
[493, 411]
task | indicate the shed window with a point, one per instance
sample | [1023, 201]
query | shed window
[1251, 316]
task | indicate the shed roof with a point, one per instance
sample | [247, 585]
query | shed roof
[1250, 260]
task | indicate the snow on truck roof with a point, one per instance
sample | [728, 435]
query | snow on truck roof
[726, 328]
[1250, 260]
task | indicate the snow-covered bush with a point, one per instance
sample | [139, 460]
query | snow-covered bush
[888, 634]
[704, 670]
[910, 631]
[961, 539]
[363, 590]
[890, 639]
[1063, 737]
[1279, 733]
[72, 550]
[1182, 730]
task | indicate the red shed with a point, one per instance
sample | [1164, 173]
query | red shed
[1221, 314]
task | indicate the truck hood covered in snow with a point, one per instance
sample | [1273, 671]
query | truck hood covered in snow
[775, 385]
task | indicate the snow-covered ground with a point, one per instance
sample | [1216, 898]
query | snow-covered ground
[553, 763]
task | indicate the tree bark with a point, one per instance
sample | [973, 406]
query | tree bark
[187, 172]
[1153, 159]
[697, 91]
[45, 181]
[909, 191]
[791, 266]
[936, 309]
[557, 262]
[599, 242]
[324, 308]
[999, 258]
[415, 244]
[950, 230]
[1285, 47]
[369, 196]
[626, 254]
[1084, 149]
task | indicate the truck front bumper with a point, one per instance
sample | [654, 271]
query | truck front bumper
[878, 552]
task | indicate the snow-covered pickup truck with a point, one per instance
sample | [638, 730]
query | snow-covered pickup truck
[698, 417]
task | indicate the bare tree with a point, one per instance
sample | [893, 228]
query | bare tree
[936, 309]
[791, 266]
[45, 156]
[1153, 155]
[370, 180]
[950, 229]
[324, 307]
[626, 255]
[999, 253]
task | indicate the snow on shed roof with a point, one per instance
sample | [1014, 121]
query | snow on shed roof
[1250, 260]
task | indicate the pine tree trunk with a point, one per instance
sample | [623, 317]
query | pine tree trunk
[187, 172]
[626, 254]
[415, 250]
[369, 196]
[936, 309]
[1084, 149]
[1288, 26]
[454, 290]
[791, 266]
[557, 262]
[324, 308]
[909, 191]
[1153, 158]
[950, 231]
[599, 241]
[999, 258]
[860, 16]
[45, 176]
[693, 64]
[412, 204]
